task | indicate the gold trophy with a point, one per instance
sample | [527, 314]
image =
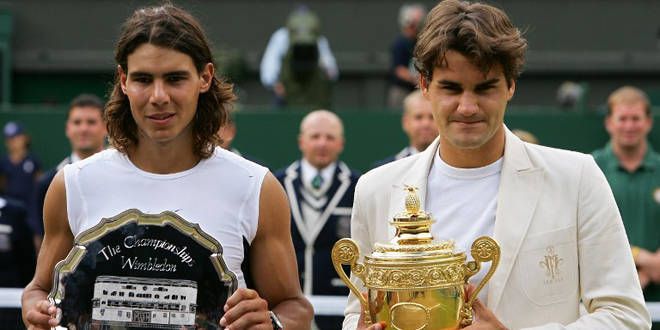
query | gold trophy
[414, 282]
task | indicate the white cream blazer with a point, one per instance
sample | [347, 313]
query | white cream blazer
[551, 203]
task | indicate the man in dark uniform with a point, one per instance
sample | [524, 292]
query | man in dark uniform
[86, 132]
[320, 190]
[17, 255]
[417, 122]
[20, 167]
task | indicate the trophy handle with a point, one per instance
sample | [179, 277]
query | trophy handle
[483, 249]
[346, 252]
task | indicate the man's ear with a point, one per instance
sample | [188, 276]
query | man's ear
[607, 123]
[206, 77]
[122, 78]
[512, 90]
[300, 141]
[424, 85]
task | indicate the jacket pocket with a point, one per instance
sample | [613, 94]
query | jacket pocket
[548, 266]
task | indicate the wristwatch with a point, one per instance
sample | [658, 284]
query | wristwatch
[277, 324]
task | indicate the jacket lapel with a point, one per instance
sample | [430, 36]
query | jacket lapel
[520, 188]
[293, 182]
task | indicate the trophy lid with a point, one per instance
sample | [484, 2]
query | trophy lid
[413, 240]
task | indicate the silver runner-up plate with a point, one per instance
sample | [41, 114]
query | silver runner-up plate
[143, 271]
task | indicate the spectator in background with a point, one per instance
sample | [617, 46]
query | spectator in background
[20, 167]
[403, 75]
[418, 124]
[17, 255]
[227, 133]
[570, 95]
[632, 168]
[86, 132]
[298, 65]
[320, 190]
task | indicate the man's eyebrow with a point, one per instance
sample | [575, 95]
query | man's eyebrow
[171, 73]
[445, 82]
[177, 73]
[449, 83]
[488, 82]
[139, 74]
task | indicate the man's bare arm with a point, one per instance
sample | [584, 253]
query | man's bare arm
[58, 240]
[274, 271]
[274, 259]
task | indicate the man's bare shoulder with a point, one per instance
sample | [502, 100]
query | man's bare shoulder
[98, 158]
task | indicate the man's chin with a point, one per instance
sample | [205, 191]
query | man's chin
[468, 142]
[86, 149]
[321, 163]
[630, 144]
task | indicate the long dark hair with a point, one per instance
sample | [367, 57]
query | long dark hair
[170, 27]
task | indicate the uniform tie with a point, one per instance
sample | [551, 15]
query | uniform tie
[317, 181]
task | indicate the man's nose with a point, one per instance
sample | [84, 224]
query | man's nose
[159, 94]
[467, 104]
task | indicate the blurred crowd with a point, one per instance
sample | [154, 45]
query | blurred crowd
[299, 68]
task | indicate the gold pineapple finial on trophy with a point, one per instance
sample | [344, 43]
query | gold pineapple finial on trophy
[413, 204]
[413, 226]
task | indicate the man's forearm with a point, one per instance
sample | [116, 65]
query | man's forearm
[295, 313]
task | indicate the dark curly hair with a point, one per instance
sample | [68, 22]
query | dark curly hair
[170, 27]
[482, 33]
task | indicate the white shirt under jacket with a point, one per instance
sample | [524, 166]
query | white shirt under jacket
[550, 201]
[464, 206]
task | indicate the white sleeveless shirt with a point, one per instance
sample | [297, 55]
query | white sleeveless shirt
[220, 193]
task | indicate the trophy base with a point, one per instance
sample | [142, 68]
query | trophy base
[433, 309]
